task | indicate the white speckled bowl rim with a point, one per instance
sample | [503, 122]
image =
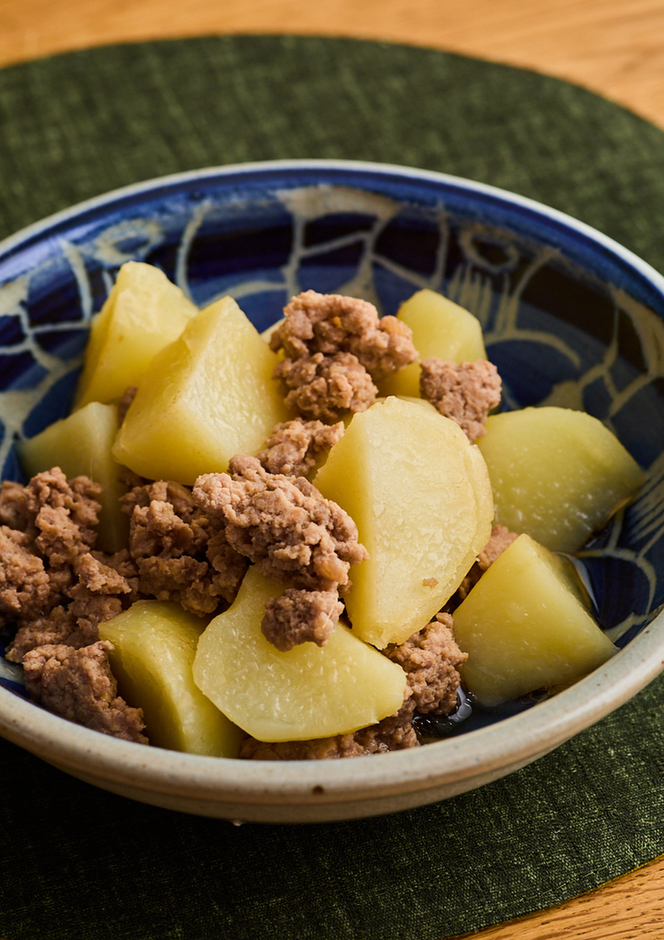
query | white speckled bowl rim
[333, 790]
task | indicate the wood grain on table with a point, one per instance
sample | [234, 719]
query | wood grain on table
[612, 47]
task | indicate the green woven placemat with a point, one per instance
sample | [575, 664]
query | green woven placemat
[79, 864]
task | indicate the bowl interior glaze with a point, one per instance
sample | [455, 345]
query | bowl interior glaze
[569, 318]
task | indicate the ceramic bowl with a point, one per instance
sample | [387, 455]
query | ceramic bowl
[569, 317]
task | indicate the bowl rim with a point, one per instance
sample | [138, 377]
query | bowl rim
[524, 205]
[513, 741]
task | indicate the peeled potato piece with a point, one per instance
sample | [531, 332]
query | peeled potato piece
[420, 496]
[557, 474]
[81, 445]
[143, 313]
[206, 397]
[440, 328]
[307, 692]
[154, 647]
[525, 627]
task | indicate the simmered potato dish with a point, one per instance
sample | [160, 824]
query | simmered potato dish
[292, 545]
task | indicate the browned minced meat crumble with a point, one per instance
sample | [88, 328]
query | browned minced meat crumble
[325, 387]
[297, 447]
[78, 685]
[56, 589]
[192, 545]
[465, 392]
[291, 533]
[181, 553]
[335, 349]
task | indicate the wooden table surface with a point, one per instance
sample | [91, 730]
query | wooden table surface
[613, 47]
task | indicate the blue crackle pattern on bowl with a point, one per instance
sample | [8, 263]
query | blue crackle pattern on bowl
[568, 318]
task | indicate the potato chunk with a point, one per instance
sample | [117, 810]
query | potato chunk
[440, 328]
[307, 692]
[557, 474]
[525, 628]
[420, 496]
[154, 646]
[81, 445]
[206, 397]
[143, 313]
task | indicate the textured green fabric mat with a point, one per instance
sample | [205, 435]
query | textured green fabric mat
[80, 864]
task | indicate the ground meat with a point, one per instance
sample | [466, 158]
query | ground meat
[336, 348]
[391, 734]
[178, 497]
[299, 616]
[74, 622]
[465, 392]
[499, 540]
[78, 685]
[430, 659]
[14, 507]
[74, 625]
[102, 592]
[321, 387]
[181, 554]
[332, 323]
[24, 584]
[57, 627]
[54, 587]
[282, 524]
[122, 564]
[65, 514]
[126, 400]
[99, 577]
[297, 447]
[394, 733]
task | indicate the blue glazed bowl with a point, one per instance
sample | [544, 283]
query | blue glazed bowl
[569, 318]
